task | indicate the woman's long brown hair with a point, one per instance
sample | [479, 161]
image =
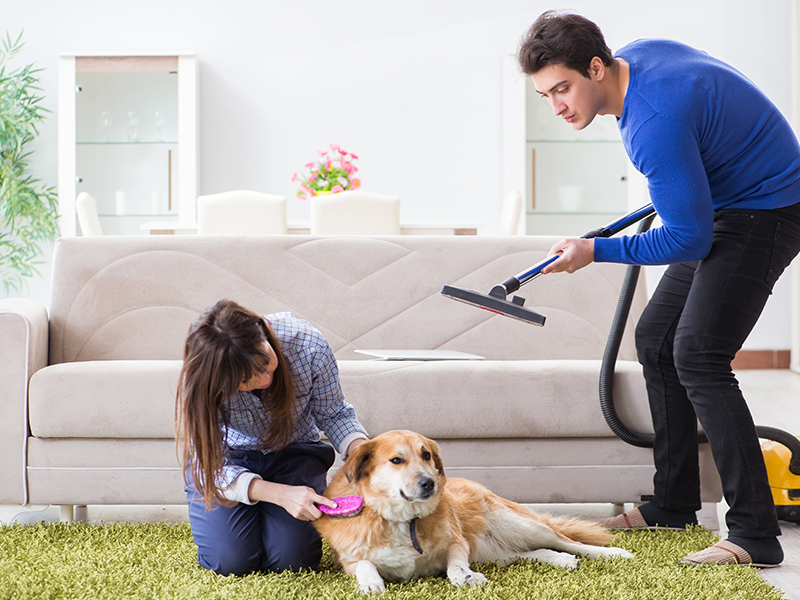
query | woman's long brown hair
[224, 348]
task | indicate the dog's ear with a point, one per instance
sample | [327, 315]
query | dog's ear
[437, 457]
[358, 464]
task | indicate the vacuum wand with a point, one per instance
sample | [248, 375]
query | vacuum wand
[496, 300]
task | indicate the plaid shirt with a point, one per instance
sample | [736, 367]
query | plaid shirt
[320, 401]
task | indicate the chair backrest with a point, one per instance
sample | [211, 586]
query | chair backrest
[86, 208]
[512, 214]
[241, 212]
[355, 213]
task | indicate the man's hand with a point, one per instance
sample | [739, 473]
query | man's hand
[575, 253]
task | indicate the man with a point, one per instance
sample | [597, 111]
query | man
[723, 171]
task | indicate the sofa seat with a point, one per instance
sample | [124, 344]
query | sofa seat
[94, 425]
[532, 429]
[440, 399]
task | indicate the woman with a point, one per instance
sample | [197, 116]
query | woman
[254, 394]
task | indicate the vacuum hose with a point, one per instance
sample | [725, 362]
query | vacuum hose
[645, 440]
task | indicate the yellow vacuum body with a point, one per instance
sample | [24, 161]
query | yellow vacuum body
[785, 485]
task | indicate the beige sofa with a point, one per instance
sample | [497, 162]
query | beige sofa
[87, 395]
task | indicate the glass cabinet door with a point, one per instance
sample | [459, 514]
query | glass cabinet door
[128, 144]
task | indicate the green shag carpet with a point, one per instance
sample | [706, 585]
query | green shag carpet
[159, 561]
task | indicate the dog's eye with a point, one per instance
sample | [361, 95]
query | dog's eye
[397, 461]
[426, 455]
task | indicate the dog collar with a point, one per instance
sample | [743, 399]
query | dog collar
[414, 539]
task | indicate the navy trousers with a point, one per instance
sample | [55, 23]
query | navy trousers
[262, 537]
[697, 319]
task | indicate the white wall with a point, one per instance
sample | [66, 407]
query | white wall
[413, 88]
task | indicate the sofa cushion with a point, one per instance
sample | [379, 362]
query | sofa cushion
[492, 399]
[104, 399]
[440, 399]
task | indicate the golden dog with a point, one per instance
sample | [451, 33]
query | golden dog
[417, 522]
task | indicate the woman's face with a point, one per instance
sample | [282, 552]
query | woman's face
[263, 380]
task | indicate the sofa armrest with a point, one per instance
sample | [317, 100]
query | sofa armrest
[24, 331]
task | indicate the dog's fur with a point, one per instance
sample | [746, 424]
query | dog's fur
[401, 478]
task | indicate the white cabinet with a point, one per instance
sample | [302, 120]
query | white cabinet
[571, 181]
[127, 134]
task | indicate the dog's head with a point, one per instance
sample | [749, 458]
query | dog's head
[399, 473]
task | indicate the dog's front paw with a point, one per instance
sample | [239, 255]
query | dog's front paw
[374, 587]
[461, 576]
[369, 580]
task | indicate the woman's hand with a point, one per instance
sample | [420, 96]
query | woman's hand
[575, 253]
[298, 500]
[301, 502]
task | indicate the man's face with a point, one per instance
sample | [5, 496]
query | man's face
[574, 98]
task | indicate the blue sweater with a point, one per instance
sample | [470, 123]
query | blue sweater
[706, 138]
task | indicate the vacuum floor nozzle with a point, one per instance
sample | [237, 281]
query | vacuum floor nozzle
[513, 309]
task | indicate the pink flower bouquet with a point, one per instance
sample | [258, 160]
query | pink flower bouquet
[333, 172]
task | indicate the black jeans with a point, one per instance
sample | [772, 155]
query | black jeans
[697, 319]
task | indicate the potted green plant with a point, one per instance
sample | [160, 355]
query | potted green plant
[28, 208]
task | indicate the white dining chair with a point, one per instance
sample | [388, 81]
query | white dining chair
[511, 214]
[241, 212]
[355, 213]
[86, 209]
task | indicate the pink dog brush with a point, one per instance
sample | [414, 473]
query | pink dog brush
[346, 506]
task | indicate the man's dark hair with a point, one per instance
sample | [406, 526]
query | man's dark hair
[562, 38]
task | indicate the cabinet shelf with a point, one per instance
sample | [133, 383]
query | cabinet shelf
[142, 143]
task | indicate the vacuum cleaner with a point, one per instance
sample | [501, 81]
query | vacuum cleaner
[781, 450]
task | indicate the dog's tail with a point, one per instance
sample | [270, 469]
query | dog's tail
[579, 530]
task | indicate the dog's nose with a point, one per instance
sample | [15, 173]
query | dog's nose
[427, 485]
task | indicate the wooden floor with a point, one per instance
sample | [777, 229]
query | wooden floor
[772, 394]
